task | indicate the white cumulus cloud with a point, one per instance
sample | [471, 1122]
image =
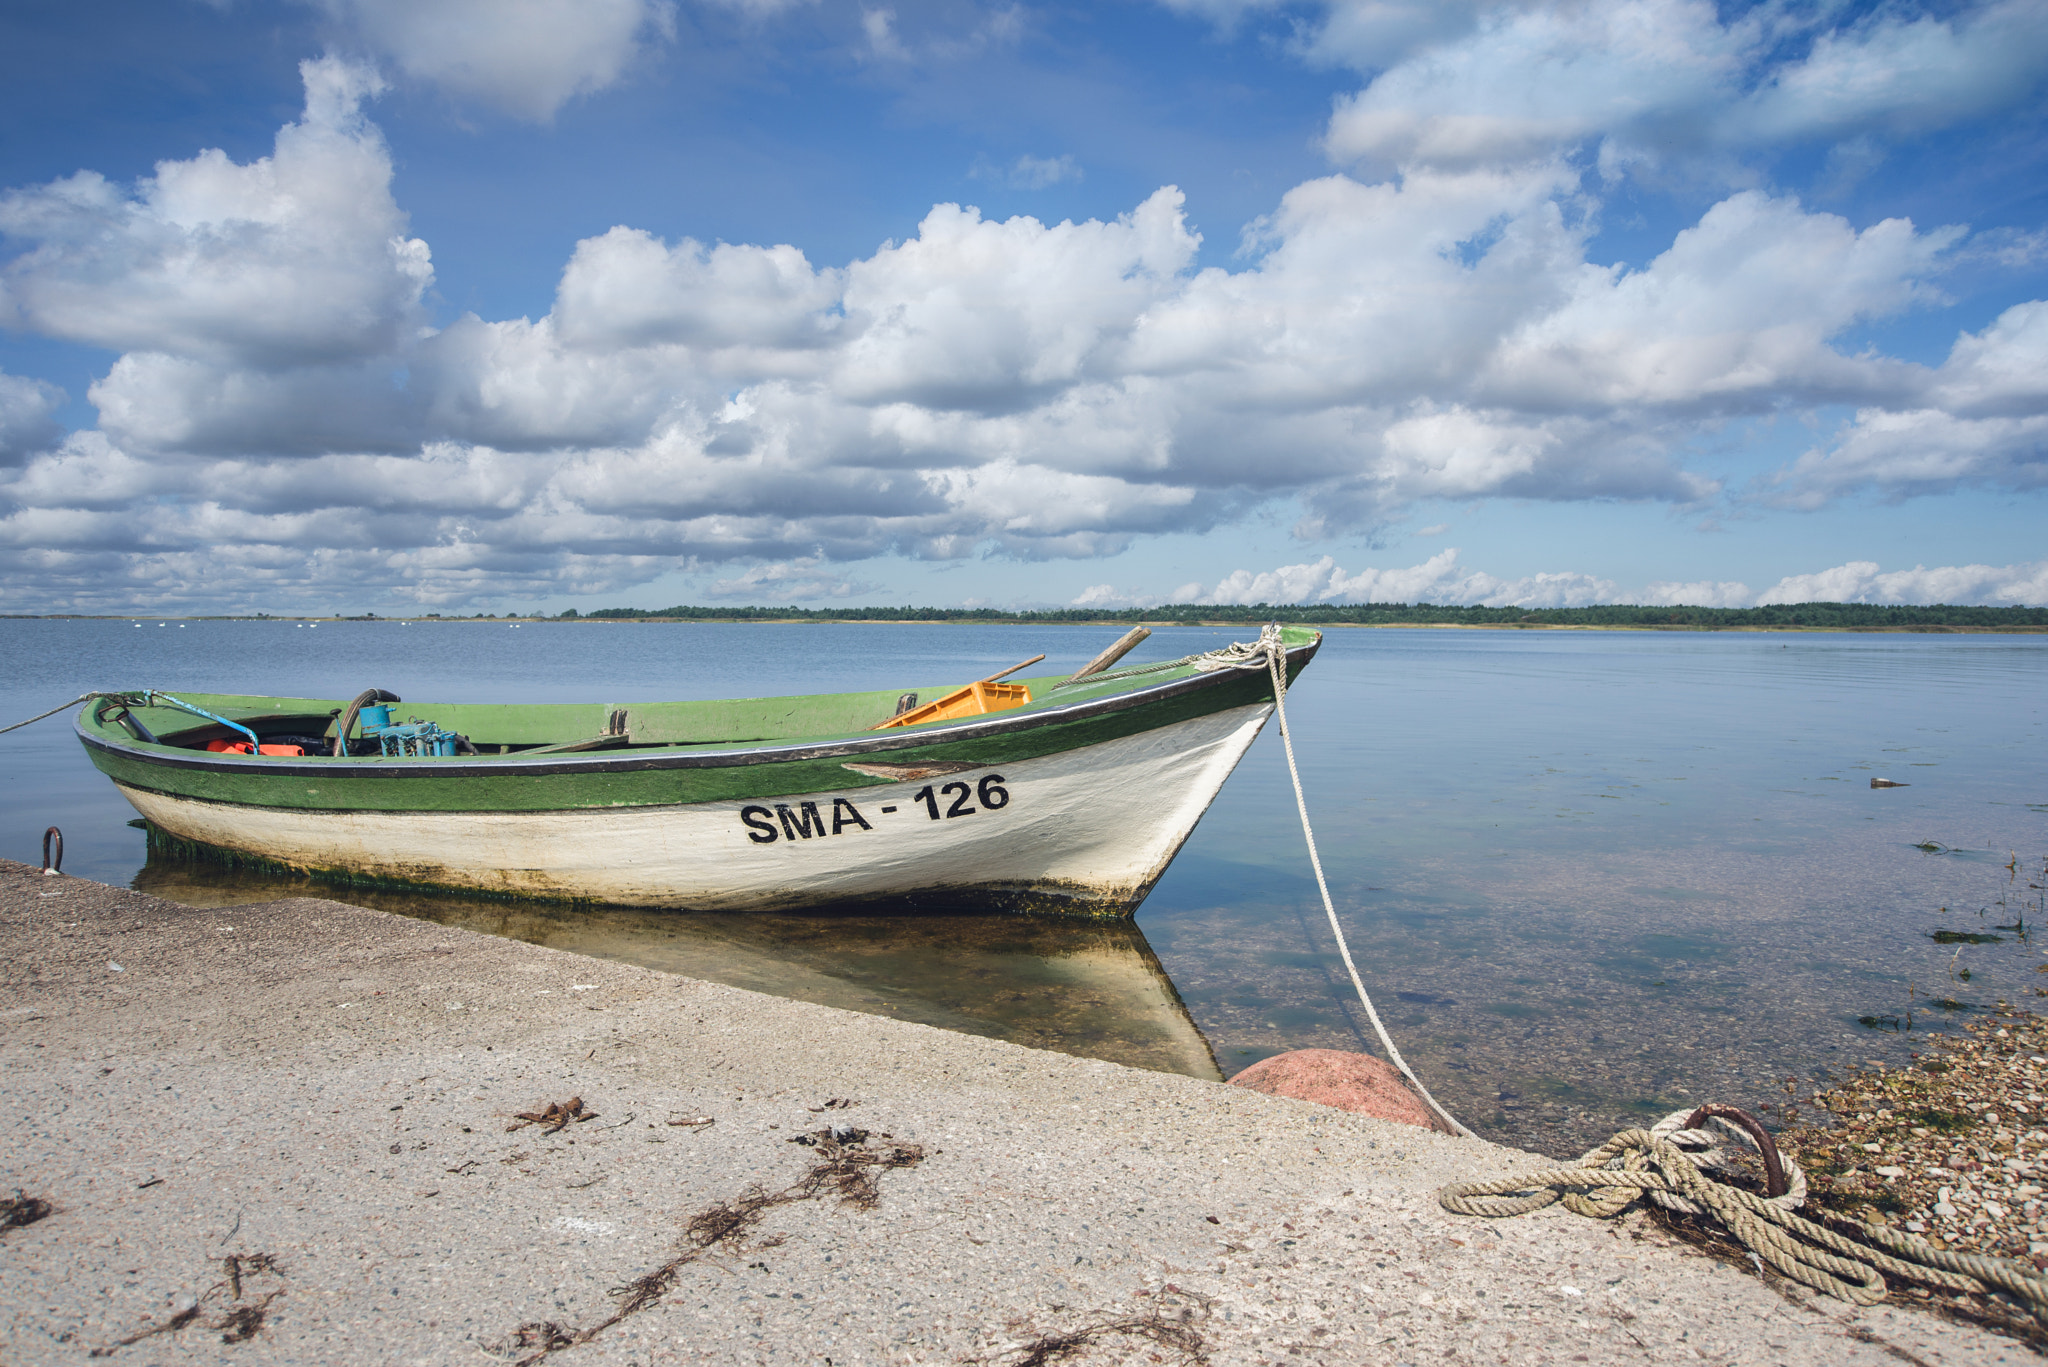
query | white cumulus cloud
[1981, 418]
[1012, 386]
[1863, 581]
[526, 57]
[1700, 593]
[1461, 85]
[298, 257]
[27, 421]
[1439, 579]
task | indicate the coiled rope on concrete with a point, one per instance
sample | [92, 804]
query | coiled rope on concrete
[1670, 1165]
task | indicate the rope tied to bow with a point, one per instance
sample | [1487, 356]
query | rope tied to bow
[131, 699]
[1269, 653]
[1672, 1166]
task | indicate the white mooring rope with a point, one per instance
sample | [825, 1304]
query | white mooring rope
[1276, 667]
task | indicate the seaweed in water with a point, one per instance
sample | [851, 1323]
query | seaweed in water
[845, 1169]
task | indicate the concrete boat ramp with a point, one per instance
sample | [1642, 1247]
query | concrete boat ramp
[285, 1133]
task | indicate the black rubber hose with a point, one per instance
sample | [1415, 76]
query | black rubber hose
[348, 718]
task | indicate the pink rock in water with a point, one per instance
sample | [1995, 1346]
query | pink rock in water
[1351, 1082]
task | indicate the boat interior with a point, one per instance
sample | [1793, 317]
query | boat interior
[308, 725]
[378, 723]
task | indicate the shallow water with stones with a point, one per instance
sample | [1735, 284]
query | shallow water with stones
[1589, 876]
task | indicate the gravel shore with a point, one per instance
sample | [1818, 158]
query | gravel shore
[308, 1132]
[1953, 1148]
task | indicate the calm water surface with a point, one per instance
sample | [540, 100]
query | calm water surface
[1587, 875]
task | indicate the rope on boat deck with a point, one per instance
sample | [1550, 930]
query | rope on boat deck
[1275, 660]
[83, 697]
[1667, 1165]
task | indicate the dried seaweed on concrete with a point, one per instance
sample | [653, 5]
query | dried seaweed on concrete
[1173, 1328]
[845, 1168]
[23, 1209]
[240, 1319]
[545, 1335]
[556, 1115]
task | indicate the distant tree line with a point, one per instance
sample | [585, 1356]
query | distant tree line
[1840, 616]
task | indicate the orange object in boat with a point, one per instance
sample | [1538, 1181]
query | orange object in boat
[241, 747]
[977, 699]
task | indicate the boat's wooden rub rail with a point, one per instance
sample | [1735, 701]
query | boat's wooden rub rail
[666, 776]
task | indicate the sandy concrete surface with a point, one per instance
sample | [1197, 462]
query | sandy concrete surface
[279, 1133]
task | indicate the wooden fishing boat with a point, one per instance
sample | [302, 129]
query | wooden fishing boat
[1072, 798]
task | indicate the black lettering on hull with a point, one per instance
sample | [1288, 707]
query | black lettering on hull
[802, 820]
[760, 829]
[802, 823]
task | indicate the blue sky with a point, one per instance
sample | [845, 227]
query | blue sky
[475, 305]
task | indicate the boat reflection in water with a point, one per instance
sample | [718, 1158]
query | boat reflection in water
[1090, 988]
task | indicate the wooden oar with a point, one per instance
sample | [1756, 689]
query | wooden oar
[1011, 670]
[1109, 657]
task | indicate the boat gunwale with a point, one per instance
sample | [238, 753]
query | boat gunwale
[600, 762]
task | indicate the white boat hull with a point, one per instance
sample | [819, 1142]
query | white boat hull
[1089, 829]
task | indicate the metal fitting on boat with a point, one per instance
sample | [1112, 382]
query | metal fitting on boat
[411, 739]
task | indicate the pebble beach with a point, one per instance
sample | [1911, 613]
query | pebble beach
[1953, 1148]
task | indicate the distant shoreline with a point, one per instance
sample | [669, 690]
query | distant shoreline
[1833, 618]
